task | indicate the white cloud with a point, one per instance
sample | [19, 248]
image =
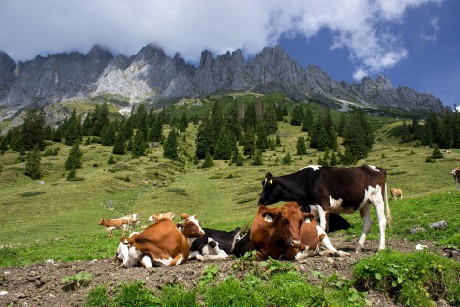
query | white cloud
[30, 27]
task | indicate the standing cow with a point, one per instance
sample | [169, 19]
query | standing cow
[456, 175]
[396, 193]
[334, 190]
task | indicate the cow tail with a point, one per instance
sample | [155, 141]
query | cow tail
[387, 206]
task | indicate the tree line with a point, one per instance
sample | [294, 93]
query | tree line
[236, 131]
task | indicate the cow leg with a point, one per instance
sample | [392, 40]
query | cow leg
[379, 206]
[327, 243]
[178, 260]
[367, 223]
[323, 217]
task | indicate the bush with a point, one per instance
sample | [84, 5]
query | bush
[411, 278]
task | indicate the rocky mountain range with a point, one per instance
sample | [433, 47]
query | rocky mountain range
[151, 75]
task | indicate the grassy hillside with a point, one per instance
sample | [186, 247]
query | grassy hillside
[58, 219]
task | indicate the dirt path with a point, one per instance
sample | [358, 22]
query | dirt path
[41, 285]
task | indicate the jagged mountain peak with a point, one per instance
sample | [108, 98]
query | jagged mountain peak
[152, 74]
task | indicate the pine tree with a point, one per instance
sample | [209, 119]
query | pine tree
[33, 164]
[72, 174]
[249, 143]
[239, 160]
[358, 138]
[297, 115]
[257, 159]
[204, 139]
[207, 160]
[223, 149]
[307, 121]
[262, 136]
[270, 119]
[100, 119]
[119, 145]
[33, 129]
[138, 145]
[183, 123]
[74, 158]
[170, 146]
[72, 133]
[287, 158]
[108, 135]
[250, 119]
[301, 148]
[437, 154]
[278, 141]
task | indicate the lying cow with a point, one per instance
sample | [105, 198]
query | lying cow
[286, 232]
[334, 190]
[125, 223]
[396, 193]
[161, 244]
[215, 244]
[167, 215]
[456, 175]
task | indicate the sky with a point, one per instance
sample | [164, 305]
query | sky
[414, 43]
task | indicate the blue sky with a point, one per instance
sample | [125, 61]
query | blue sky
[414, 43]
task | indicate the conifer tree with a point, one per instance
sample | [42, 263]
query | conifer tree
[74, 158]
[33, 129]
[250, 119]
[278, 140]
[108, 134]
[138, 145]
[249, 143]
[270, 119]
[239, 160]
[33, 164]
[297, 115]
[307, 121]
[287, 158]
[204, 139]
[183, 122]
[119, 144]
[262, 136]
[257, 159]
[207, 160]
[223, 149]
[358, 138]
[100, 119]
[301, 148]
[170, 146]
[323, 135]
[72, 133]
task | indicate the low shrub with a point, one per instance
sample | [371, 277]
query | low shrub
[414, 279]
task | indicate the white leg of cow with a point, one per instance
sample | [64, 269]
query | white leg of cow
[379, 206]
[146, 262]
[367, 223]
[328, 245]
[322, 217]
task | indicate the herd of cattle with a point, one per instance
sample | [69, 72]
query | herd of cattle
[315, 197]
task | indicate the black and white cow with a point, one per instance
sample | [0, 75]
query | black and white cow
[334, 190]
[215, 244]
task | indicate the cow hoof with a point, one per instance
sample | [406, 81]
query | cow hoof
[199, 258]
[342, 254]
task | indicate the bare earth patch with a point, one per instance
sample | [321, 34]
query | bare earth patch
[41, 284]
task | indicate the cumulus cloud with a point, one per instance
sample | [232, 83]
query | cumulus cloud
[30, 27]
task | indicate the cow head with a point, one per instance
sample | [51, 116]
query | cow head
[101, 221]
[284, 222]
[127, 253]
[167, 215]
[271, 193]
[190, 226]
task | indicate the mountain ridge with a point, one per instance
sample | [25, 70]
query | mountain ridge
[152, 75]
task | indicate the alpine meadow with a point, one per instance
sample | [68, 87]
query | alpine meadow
[207, 157]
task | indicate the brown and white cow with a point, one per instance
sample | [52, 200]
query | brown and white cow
[287, 232]
[456, 175]
[161, 244]
[167, 215]
[126, 222]
[396, 193]
[338, 190]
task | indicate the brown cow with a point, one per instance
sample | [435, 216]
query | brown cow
[111, 224]
[456, 175]
[287, 232]
[167, 215]
[396, 193]
[161, 244]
